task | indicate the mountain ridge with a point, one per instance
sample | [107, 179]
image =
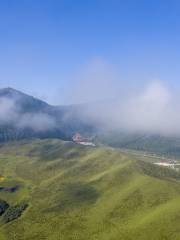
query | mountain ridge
[23, 116]
[61, 121]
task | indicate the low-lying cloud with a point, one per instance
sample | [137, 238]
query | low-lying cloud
[152, 108]
[10, 114]
[8, 111]
[39, 122]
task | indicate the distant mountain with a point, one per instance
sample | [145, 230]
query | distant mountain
[23, 101]
[23, 116]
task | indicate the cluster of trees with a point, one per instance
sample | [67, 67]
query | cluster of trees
[10, 213]
[3, 206]
[14, 212]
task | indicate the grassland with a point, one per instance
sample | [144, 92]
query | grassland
[81, 193]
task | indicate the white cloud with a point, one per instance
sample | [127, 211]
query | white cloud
[95, 81]
[9, 113]
[152, 108]
[36, 121]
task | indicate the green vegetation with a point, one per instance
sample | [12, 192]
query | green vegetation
[14, 212]
[76, 193]
[3, 206]
[161, 145]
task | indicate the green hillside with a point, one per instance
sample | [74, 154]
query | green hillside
[62, 191]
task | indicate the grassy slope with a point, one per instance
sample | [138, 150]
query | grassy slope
[78, 193]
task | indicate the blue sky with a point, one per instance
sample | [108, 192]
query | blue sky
[47, 45]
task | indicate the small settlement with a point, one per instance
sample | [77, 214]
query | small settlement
[77, 138]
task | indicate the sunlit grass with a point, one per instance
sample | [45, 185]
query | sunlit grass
[77, 193]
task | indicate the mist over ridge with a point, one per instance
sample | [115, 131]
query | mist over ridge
[150, 106]
[153, 109]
